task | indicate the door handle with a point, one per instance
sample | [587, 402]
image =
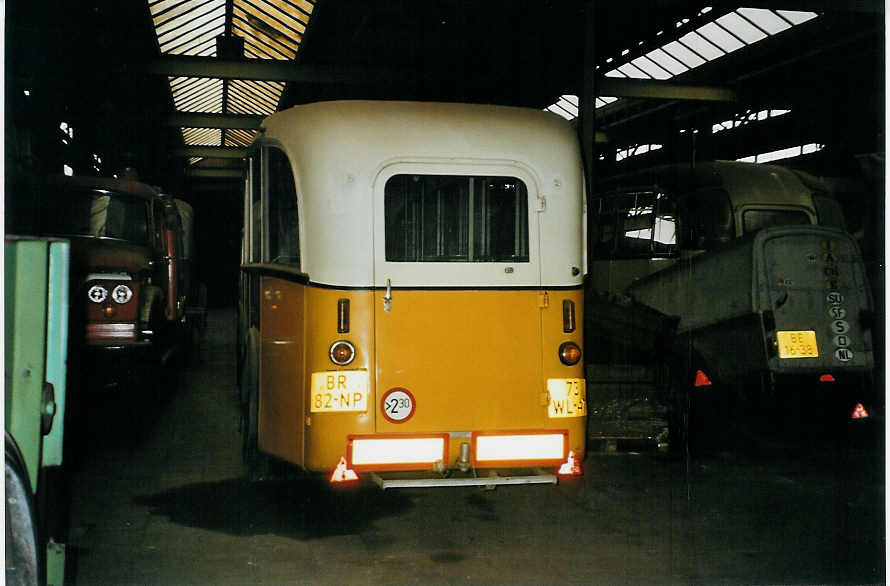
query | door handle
[387, 297]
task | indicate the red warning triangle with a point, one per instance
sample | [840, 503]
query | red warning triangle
[701, 379]
[342, 473]
[859, 412]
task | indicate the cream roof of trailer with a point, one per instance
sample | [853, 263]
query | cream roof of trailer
[271, 29]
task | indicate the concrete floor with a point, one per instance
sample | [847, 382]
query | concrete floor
[159, 497]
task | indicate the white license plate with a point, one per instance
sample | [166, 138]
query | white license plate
[566, 397]
[339, 390]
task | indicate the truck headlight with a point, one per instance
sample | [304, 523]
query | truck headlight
[122, 294]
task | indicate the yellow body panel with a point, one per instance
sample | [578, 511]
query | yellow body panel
[553, 336]
[282, 347]
[327, 432]
[474, 360]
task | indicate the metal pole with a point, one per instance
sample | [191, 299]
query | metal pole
[587, 112]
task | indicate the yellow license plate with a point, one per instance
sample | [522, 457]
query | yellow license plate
[797, 344]
[340, 390]
[566, 397]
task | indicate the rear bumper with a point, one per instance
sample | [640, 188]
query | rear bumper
[536, 448]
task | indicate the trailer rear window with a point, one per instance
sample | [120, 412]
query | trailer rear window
[754, 220]
[453, 218]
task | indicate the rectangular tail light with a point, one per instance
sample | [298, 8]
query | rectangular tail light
[568, 316]
[343, 316]
[520, 448]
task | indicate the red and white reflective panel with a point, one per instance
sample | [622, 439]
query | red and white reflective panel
[342, 473]
[859, 412]
[520, 448]
[571, 467]
[397, 452]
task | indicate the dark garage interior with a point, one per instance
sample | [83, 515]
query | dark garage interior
[761, 477]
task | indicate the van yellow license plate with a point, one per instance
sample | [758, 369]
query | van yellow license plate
[801, 344]
[339, 390]
[566, 397]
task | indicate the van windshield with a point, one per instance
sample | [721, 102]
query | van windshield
[452, 218]
[754, 220]
[77, 211]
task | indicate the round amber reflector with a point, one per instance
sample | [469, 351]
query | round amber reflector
[342, 352]
[569, 353]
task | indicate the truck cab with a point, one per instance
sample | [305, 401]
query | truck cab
[125, 274]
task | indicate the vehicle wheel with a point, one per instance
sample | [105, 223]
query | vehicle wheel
[22, 554]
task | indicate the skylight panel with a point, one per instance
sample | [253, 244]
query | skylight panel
[633, 72]
[720, 37]
[780, 154]
[195, 94]
[746, 118]
[202, 136]
[796, 17]
[254, 97]
[236, 137]
[640, 149]
[764, 19]
[708, 42]
[193, 20]
[554, 109]
[741, 28]
[188, 25]
[568, 104]
[683, 55]
[701, 46]
[666, 61]
[272, 29]
[652, 69]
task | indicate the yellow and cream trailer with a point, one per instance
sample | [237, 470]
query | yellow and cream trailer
[412, 293]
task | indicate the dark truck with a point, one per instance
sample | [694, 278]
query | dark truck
[127, 303]
[728, 284]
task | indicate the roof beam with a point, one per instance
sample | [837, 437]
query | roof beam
[190, 120]
[258, 69]
[288, 71]
[214, 173]
[662, 90]
[209, 152]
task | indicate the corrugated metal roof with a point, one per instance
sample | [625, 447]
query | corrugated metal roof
[271, 29]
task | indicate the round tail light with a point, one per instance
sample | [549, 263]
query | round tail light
[342, 352]
[569, 353]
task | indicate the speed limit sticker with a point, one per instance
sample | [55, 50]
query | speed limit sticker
[397, 405]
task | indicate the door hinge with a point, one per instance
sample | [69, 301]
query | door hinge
[541, 204]
[543, 300]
